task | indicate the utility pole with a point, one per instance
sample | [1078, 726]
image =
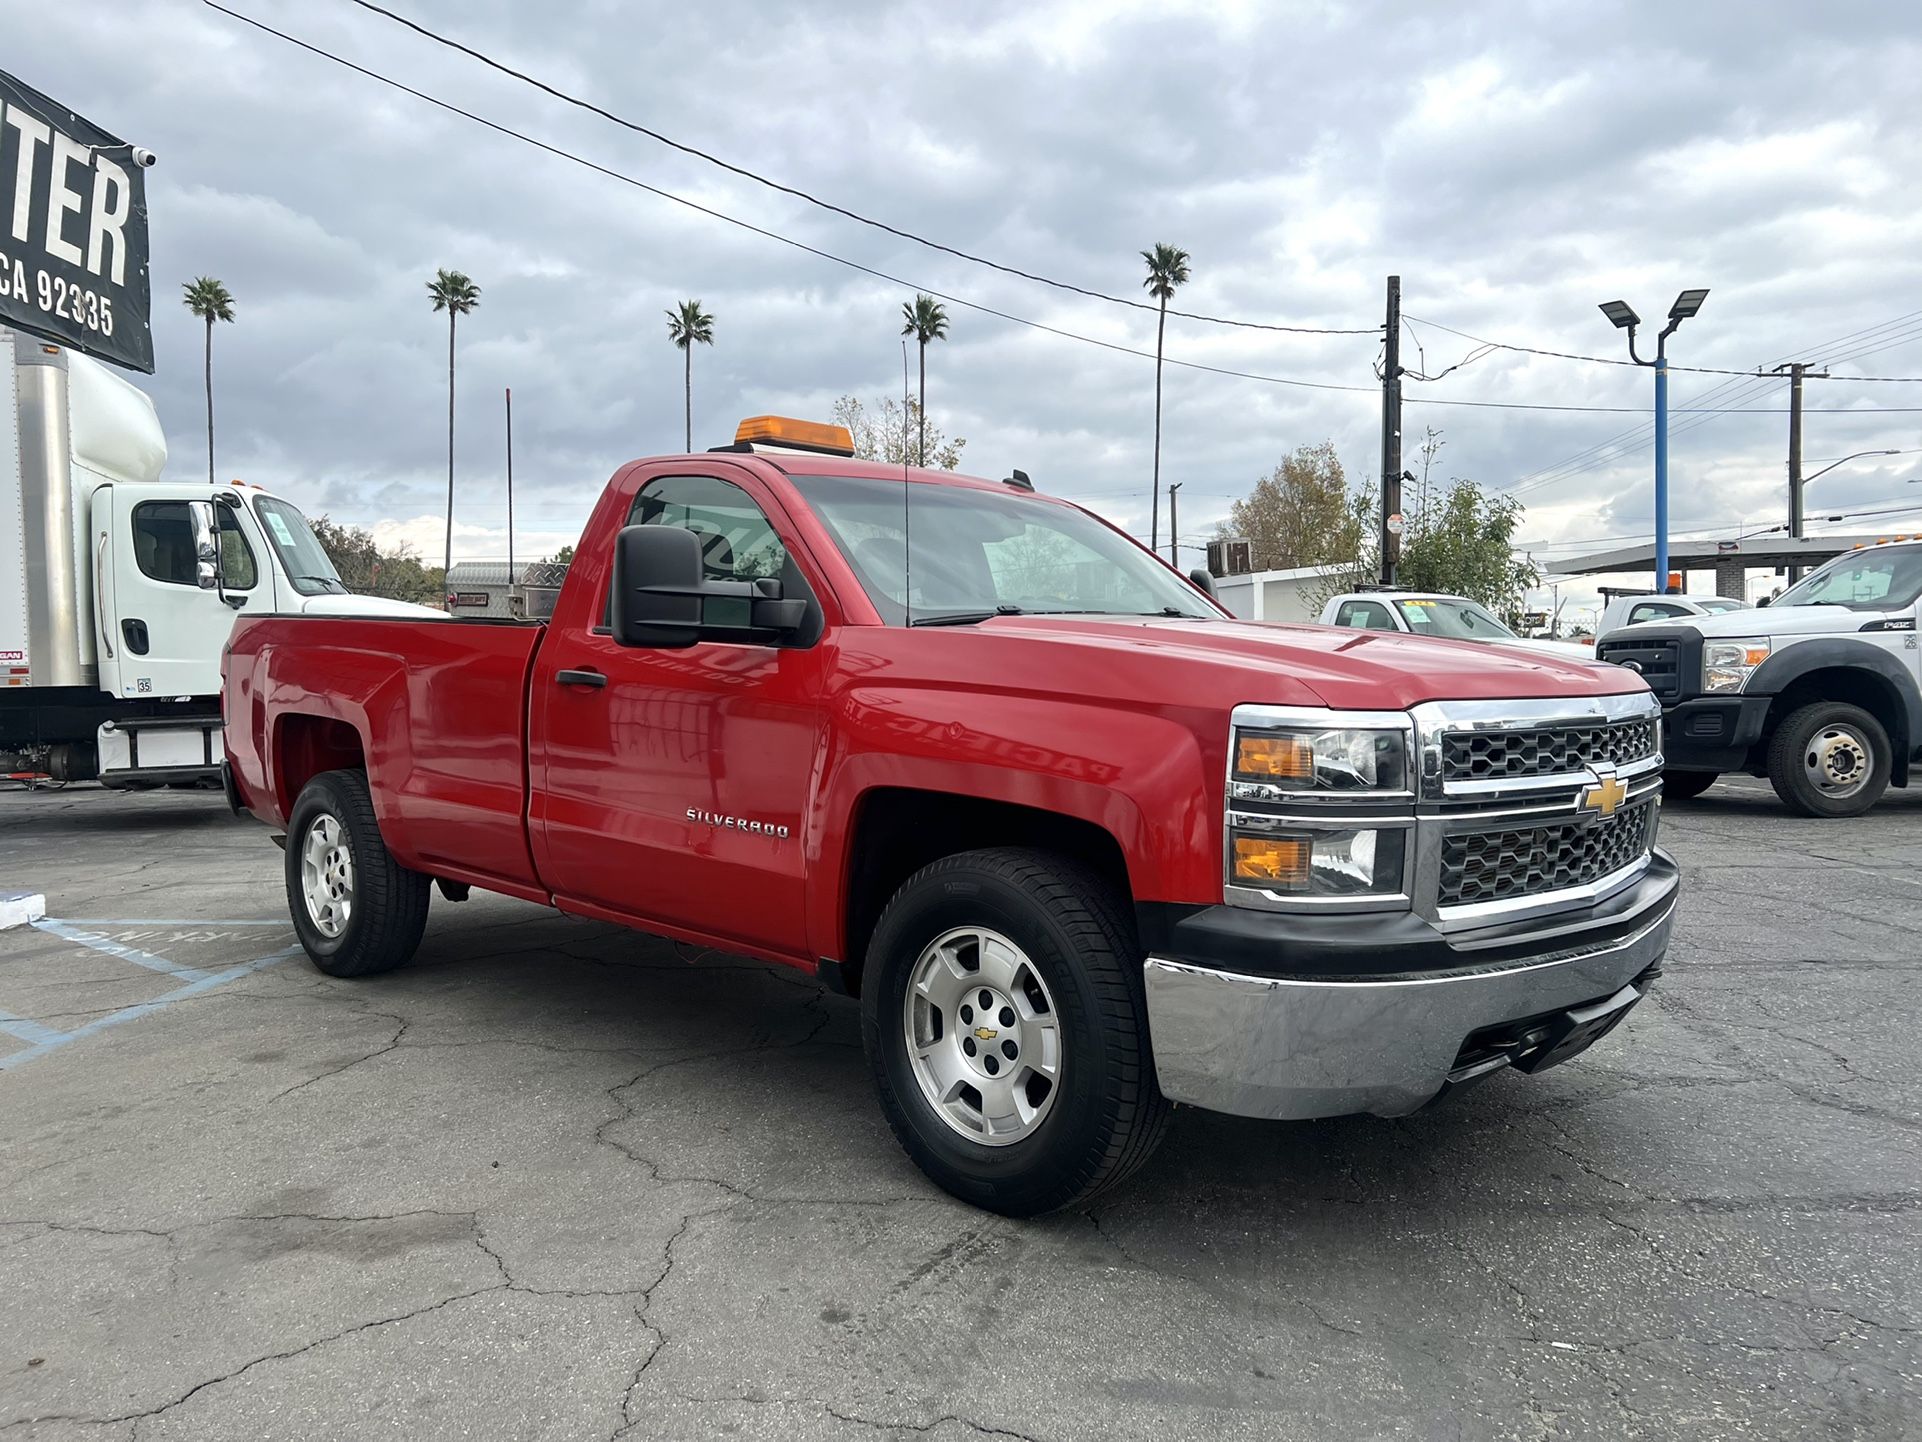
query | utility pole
[1174, 526]
[509, 394]
[1795, 371]
[1391, 433]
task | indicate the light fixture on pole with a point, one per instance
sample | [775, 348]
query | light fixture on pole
[1623, 318]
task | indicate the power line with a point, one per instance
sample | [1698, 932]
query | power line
[1600, 360]
[828, 205]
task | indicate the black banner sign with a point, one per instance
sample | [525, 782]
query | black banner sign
[73, 230]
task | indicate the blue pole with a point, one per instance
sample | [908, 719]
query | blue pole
[1661, 474]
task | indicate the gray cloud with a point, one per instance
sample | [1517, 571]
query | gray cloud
[1514, 164]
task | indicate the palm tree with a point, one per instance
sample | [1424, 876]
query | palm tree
[1167, 269]
[925, 320]
[687, 326]
[211, 301]
[457, 295]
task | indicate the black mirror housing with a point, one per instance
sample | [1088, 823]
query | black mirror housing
[656, 596]
[1204, 578]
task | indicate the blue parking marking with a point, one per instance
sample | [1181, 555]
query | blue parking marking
[67, 931]
[44, 1039]
[30, 1031]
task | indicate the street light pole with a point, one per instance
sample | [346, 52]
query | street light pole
[1623, 318]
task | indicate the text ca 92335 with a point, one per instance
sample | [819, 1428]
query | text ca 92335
[56, 296]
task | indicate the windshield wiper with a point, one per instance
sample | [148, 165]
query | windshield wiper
[965, 618]
[326, 581]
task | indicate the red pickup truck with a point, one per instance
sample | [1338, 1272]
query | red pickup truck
[1082, 844]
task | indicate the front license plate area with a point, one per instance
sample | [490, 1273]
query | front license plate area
[1574, 1031]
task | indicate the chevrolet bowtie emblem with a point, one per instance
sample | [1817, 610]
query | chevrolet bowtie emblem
[1604, 796]
[986, 1033]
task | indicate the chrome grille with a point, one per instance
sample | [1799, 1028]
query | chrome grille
[1543, 750]
[1528, 861]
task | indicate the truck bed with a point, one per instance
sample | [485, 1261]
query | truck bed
[443, 705]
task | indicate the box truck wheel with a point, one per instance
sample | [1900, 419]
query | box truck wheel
[356, 910]
[1829, 759]
[1006, 1030]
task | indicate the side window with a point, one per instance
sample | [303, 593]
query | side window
[1651, 611]
[1364, 616]
[737, 541]
[163, 546]
[163, 542]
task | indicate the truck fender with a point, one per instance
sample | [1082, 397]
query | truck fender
[1791, 664]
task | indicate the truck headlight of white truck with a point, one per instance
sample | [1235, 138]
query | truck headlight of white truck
[1727, 665]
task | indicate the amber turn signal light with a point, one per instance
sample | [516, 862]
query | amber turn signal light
[1272, 860]
[1275, 758]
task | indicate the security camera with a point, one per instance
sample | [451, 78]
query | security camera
[143, 157]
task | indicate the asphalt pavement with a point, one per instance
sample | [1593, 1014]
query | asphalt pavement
[556, 1180]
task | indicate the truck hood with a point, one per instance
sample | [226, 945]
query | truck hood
[1769, 621]
[329, 604]
[1350, 669]
[1569, 650]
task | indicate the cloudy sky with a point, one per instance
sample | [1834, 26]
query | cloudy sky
[1514, 163]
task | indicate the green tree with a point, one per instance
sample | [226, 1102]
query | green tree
[925, 320]
[1299, 514]
[457, 295]
[367, 570]
[688, 326]
[1458, 541]
[882, 434]
[1167, 270]
[562, 557]
[211, 301]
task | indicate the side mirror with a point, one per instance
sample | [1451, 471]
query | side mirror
[1204, 578]
[206, 545]
[1763, 602]
[661, 596]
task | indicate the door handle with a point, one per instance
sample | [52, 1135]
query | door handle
[579, 678]
[135, 630]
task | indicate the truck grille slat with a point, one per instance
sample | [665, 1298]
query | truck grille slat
[1528, 861]
[1543, 751]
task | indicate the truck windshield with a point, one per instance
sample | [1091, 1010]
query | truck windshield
[1882, 578]
[1456, 620]
[301, 556]
[978, 554]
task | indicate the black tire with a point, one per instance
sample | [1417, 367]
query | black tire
[388, 914]
[1109, 1114]
[1797, 745]
[1687, 785]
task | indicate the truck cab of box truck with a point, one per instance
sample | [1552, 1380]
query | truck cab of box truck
[120, 586]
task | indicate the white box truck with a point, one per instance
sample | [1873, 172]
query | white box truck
[118, 589]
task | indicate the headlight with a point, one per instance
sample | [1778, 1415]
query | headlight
[1314, 759]
[1351, 863]
[1727, 665]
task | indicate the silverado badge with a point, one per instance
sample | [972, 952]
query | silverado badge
[1605, 795]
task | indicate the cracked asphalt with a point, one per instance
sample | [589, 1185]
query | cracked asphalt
[557, 1180]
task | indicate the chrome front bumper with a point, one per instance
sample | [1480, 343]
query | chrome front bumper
[1299, 1047]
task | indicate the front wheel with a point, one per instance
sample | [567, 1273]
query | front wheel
[1686, 785]
[1829, 759]
[356, 910]
[1006, 1030]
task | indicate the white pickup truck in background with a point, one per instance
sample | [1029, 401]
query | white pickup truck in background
[1430, 613]
[1637, 610]
[1821, 691]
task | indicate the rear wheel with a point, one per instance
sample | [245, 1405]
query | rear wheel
[1829, 759]
[1685, 785]
[356, 910]
[1006, 1030]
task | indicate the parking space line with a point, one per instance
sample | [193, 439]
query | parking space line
[25, 1030]
[67, 931]
[207, 981]
[142, 921]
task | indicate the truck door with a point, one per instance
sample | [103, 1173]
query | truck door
[165, 630]
[672, 786]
